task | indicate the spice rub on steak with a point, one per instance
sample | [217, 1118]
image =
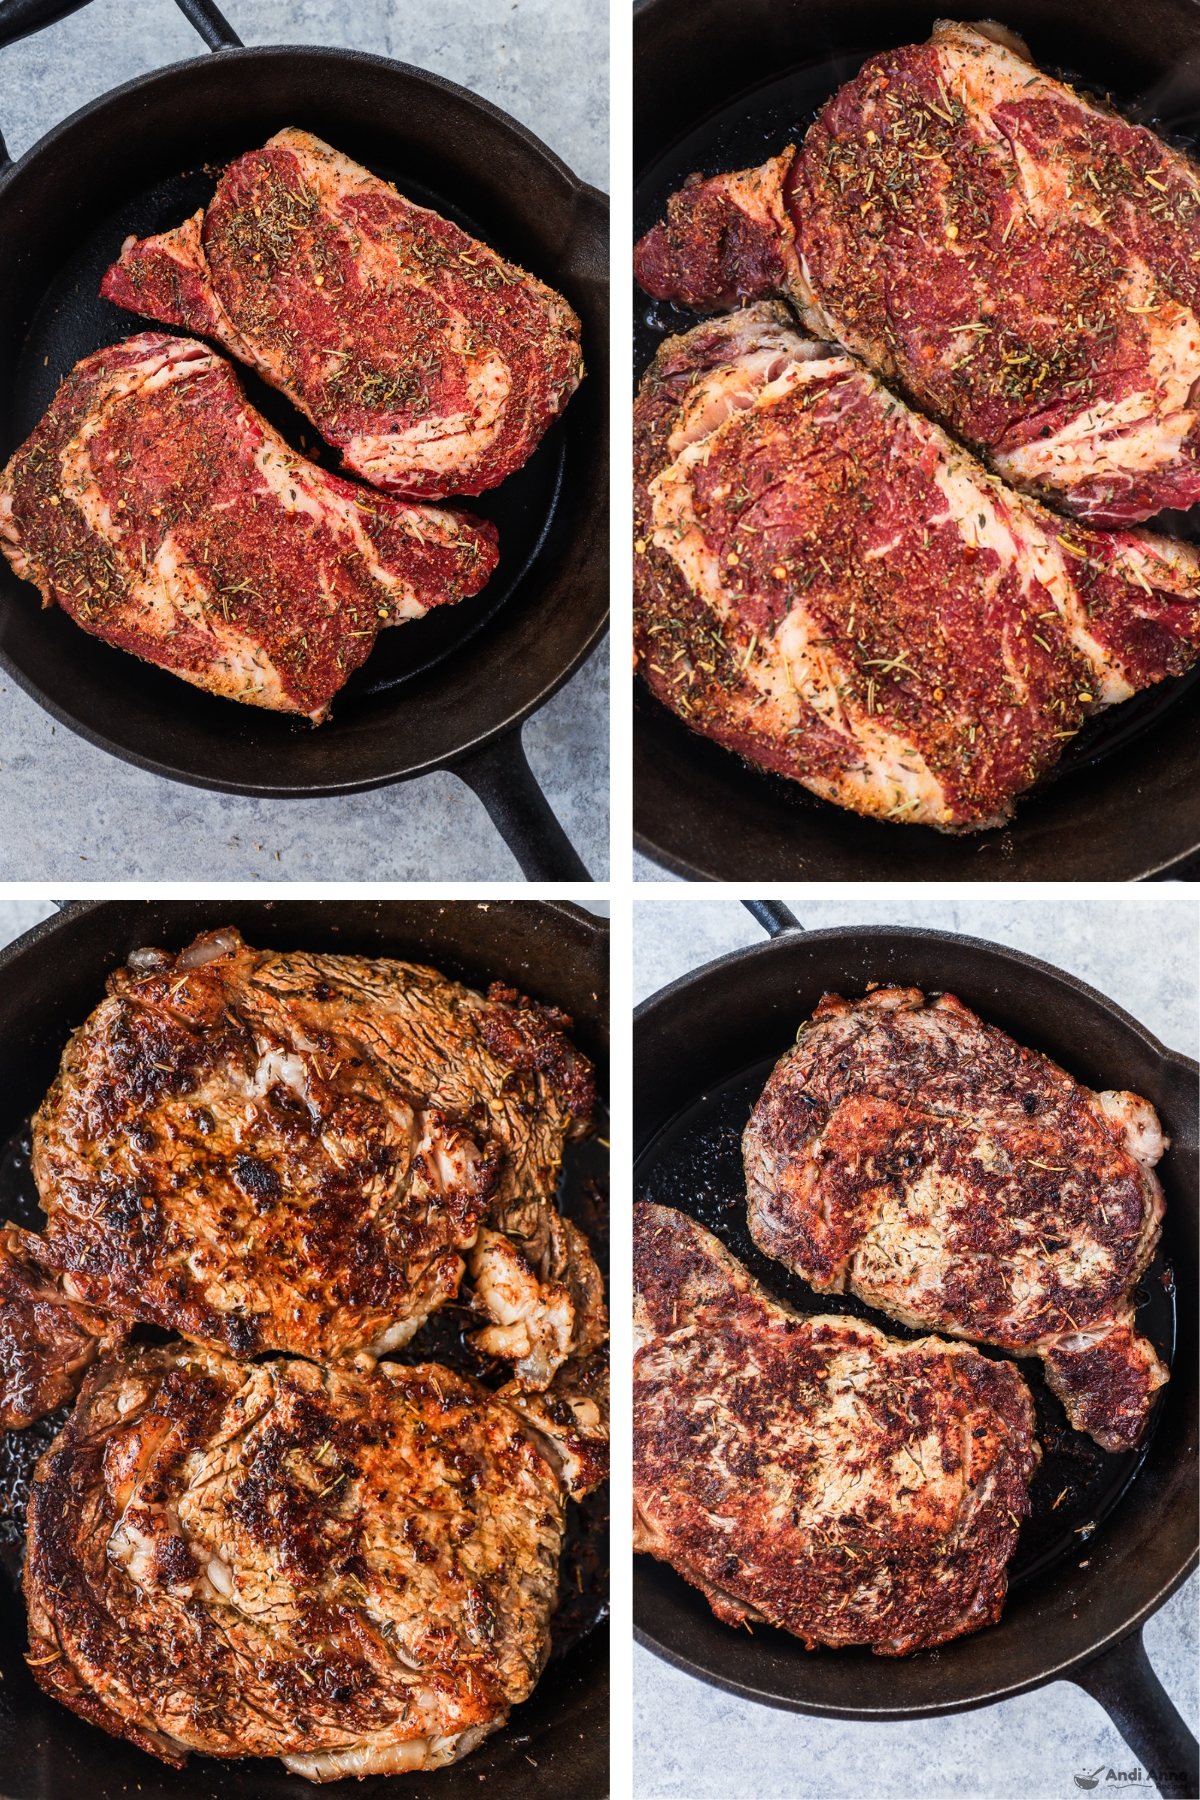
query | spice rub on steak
[907, 1152]
[353, 1572]
[827, 584]
[433, 364]
[165, 516]
[285, 1151]
[1022, 263]
[812, 1472]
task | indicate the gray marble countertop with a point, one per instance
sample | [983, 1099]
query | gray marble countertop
[74, 813]
[693, 1742]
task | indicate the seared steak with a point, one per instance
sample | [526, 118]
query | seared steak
[1023, 263]
[830, 586]
[268, 1151]
[811, 1472]
[354, 1572]
[908, 1153]
[433, 365]
[47, 1339]
[164, 515]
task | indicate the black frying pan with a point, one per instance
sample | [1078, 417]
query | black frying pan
[50, 979]
[721, 84]
[448, 691]
[1086, 1575]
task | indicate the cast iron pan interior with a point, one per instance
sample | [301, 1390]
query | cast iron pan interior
[49, 981]
[1122, 1536]
[141, 160]
[752, 823]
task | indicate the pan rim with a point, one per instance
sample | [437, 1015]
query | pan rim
[682, 989]
[378, 736]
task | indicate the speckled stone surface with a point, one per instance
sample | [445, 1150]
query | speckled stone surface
[693, 1742]
[73, 812]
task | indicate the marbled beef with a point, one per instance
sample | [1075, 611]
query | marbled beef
[809, 1471]
[158, 509]
[829, 585]
[433, 364]
[907, 1152]
[1022, 263]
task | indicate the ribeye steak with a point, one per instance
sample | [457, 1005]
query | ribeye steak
[281, 1151]
[909, 1153]
[829, 585]
[811, 1472]
[354, 1572]
[164, 515]
[47, 1340]
[1022, 262]
[430, 362]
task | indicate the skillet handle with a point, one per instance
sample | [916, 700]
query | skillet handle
[1126, 1686]
[21, 18]
[773, 916]
[517, 807]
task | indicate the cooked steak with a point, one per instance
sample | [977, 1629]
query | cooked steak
[1024, 263]
[164, 515]
[906, 1152]
[811, 1472]
[47, 1340]
[269, 1151]
[354, 1572]
[430, 362]
[830, 586]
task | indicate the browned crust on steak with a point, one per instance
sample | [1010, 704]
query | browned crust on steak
[811, 1471]
[289, 1151]
[907, 1152]
[47, 1340]
[275, 1559]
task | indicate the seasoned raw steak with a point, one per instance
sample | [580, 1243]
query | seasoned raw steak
[909, 1153]
[352, 1572]
[1024, 264]
[830, 586]
[268, 1151]
[433, 365]
[164, 514]
[811, 1472]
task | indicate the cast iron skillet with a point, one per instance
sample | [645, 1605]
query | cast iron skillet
[703, 1048]
[721, 84]
[447, 691]
[50, 980]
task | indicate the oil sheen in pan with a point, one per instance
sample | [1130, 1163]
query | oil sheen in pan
[694, 1164]
[583, 1573]
[758, 124]
[73, 321]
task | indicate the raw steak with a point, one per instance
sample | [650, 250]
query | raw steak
[354, 1572]
[811, 1472]
[909, 1153]
[829, 585]
[430, 362]
[270, 1151]
[1024, 264]
[164, 514]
